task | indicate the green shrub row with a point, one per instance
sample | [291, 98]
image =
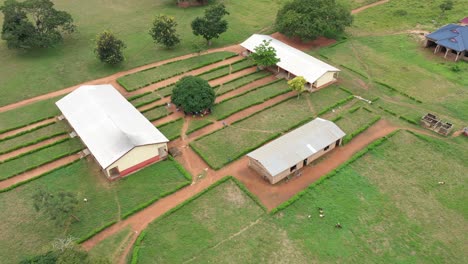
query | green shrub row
[355, 71]
[32, 142]
[158, 116]
[339, 42]
[168, 123]
[398, 91]
[248, 193]
[354, 109]
[136, 247]
[36, 150]
[24, 125]
[27, 131]
[238, 78]
[341, 102]
[129, 89]
[388, 111]
[95, 232]
[11, 187]
[411, 121]
[190, 131]
[358, 131]
[336, 118]
[249, 91]
[131, 98]
[346, 90]
[226, 67]
[154, 199]
[181, 169]
[375, 99]
[354, 158]
[146, 102]
[367, 109]
[323, 56]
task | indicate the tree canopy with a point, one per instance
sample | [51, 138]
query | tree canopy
[59, 207]
[34, 23]
[164, 31]
[193, 94]
[212, 24]
[264, 55]
[309, 19]
[297, 84]
[109, 48]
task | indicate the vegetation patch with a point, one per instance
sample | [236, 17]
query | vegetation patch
[197, 124]
[156, 112]
[147, 98]
[226, 69]
[239, 82]
[172, 129]
[147, 77]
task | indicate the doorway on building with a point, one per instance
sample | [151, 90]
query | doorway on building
[304, 163]
[337, 143]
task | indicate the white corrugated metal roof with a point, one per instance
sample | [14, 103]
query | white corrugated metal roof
[292, 148]
[107, 123]
[291, 59]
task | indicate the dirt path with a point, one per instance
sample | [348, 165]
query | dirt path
[362, 8]
[38, 171]
[113, 77]
[20, 151]
[26, 128]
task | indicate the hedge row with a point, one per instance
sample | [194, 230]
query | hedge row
[36, 150]
[190, 131]
[234, 69]
[168, 123]
[129, 89]
[355, 157]
[345, 90]
[336, 118]
[95, 232]
[24, 125]
[355, 71]
[242, 84]
[354, 109]
[37, 177]
[411, 121]
[388, 111]
[32, 142]
[358, 131]
[341, 102]
[249, 91]
[367, 109]
[136, 247]
[181, 169]
[27, 131]
[248, 193]
[131, 98]
[398, 91]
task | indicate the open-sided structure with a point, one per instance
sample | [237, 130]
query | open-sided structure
[117, 135]
[451, 39]
[296, 63]
[289, 153]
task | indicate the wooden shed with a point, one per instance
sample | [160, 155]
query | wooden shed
[114, 132]
[289, 153]
[294, 62]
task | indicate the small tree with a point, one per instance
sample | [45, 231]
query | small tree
[309, 19]
[445, 6]
[59, 207]
[34, 23]
[109, 48]
[297, 84]
[212, 24]
[264, 55]
[193, 94]
[164, 31]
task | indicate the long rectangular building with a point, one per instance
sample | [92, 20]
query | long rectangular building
[289, 153]
[118, 136]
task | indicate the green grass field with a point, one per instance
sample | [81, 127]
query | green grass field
[38, 157]
[227, 144]
[146, 99]
[113, 247]
[27, 74]
[239, 82]
[172, 129]
[196, 124]
[107, 202]
[157, 112]
[227, 69]
[388, 202]
[144, 78]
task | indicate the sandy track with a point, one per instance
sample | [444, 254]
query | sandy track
[362, 8]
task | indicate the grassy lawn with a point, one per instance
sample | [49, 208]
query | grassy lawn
[29, 114]
[228, 144]
[401, 62]
[156, 112]
[146, 99]
[249, 98]
[196, 124]
[388, 202]
[202, 220]
[144, 78]
[107, 202]
[27, 74]
[32, 137]
[239, 82]
[113, 247]
[227, 69]
[165, 91]
[172, 129]
[34, 159]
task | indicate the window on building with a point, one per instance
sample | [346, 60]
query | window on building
[326, 148]
[293, 168]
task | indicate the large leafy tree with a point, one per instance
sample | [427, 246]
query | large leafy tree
[109, 48]
[59, 207]
[264, 55]
[297, 84]
[309, 19]
[34, 23]
[212, 24]
[164, 31]
[193, 94]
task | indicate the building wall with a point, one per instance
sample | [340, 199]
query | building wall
[136, 156]
[328, 77]
[254, 164]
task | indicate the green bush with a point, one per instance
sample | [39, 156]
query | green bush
[136, 247]
[348, 138]
[341, 102]
[411, 121]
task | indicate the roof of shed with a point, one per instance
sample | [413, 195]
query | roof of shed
[452, 36]
[107, 123]
[291, 59]
[297, 145]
